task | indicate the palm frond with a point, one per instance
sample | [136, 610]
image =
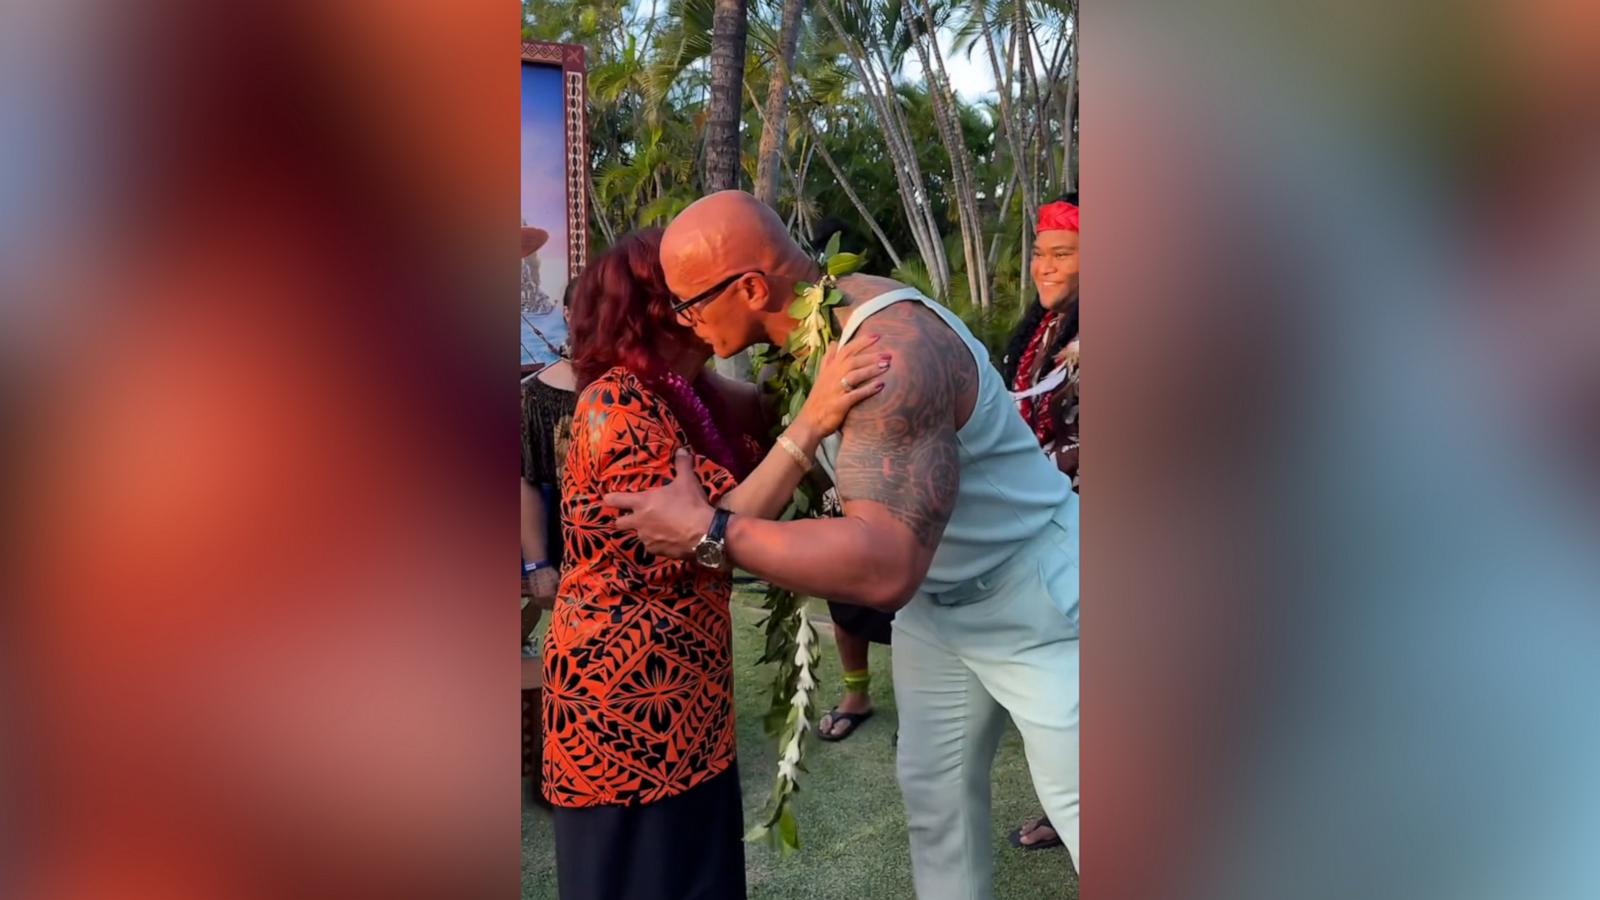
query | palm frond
[665, 208]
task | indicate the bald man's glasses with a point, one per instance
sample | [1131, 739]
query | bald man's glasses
[681, 308]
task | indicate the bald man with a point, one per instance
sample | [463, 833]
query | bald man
[951, 516]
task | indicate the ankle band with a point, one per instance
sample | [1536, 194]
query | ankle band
[858, 682]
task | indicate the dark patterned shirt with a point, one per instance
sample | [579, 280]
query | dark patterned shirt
[1059, 405]
[546, 431]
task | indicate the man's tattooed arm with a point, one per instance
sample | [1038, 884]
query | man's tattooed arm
[898, 450]
[897, 474]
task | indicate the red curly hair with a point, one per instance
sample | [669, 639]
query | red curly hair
[621, 315]
[621, 312]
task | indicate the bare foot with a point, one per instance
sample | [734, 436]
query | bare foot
[1037, 831]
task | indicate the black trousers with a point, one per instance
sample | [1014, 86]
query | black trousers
[862, 622]
[688, 847]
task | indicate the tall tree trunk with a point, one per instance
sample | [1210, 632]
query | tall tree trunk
[855, 199]
[939, 264]
[914, 196]
[1006, 197]
[1020, 31]
[942, 98]
[919, 218]
[765, 126]
[799, 190]
[1076, 147]
[728, 27]
[1008, 118]
[1030, 79]
[797, 217]
[1036, 130]
[1069, 116]
[1026, 271]
[777, 117]
[971, 191]
[1052, 77]
[1019, 165]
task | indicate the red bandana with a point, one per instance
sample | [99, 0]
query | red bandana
[1057, 216]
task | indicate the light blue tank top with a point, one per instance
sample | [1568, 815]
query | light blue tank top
[1009, 491]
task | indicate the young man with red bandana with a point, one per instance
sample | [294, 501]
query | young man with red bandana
[1041, 368]
[1041, 363]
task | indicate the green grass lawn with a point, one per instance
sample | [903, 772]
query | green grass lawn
[852, 825]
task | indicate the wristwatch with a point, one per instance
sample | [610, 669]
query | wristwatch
[712, 551]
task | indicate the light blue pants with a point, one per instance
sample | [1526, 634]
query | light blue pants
[1006, 643]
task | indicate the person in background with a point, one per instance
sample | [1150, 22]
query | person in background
[855, 628]
[548, 398]
[1040, 364]
[1041, 367]
[638, 708]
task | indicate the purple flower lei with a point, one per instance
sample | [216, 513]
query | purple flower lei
[696, 419]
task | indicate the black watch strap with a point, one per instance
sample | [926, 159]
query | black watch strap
[719, 525]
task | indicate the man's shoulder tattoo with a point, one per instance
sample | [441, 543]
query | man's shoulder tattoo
[899, 449]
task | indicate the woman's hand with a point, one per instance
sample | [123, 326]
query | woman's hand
[848, 375]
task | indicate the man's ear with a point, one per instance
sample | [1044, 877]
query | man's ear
[758, 293]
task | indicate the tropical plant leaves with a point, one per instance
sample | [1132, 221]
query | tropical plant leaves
[788, 831]
[841, 264]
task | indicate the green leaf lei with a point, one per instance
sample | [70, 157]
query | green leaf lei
[791, 642]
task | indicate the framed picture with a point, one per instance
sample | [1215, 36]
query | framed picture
[555, 171]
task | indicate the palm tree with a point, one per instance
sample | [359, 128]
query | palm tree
[776, 117]
[925, 38]
[823, 124]
[728, 30]
[864, 44]
[729, 27]
[1009, 122]
[1069, 116]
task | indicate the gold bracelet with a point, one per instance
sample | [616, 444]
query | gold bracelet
[795, 453]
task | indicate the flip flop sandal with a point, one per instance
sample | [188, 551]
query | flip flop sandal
[852, 721]
[1042, 822]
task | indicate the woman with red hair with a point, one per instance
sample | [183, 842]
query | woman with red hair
[638, 709]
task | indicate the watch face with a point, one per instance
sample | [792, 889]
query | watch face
[709, 554]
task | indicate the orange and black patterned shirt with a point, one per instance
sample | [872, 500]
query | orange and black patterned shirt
[638, 666]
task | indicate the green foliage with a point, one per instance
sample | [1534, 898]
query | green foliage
[844, 263]
[992, 326]
[647, 88]
[665, 208]
[790, 639]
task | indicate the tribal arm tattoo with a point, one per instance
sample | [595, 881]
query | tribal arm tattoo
[899, 450]
[897, 473]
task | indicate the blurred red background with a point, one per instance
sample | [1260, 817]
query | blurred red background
[263, 517]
